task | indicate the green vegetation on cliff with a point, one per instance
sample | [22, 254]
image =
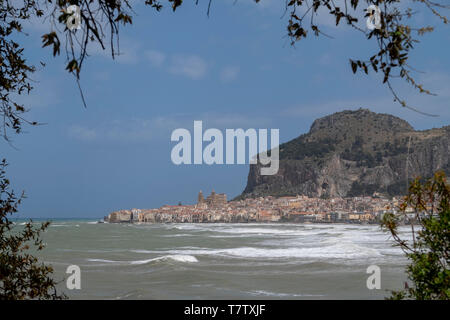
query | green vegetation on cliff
[354, 153]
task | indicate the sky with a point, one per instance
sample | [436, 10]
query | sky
[233, 69]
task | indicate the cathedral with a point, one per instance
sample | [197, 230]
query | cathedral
[213, 200]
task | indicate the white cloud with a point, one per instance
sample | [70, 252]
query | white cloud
[47, 91]
[123, 131]
[128, 51]
[156, 58]
[82, 133]
[191, 66]
[160, 127]
[229, 73]
[36, 24]
[230, 120]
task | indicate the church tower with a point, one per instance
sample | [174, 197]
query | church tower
[200, 198]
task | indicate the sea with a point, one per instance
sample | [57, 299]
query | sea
[223, 261]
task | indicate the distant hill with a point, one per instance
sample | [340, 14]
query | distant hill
[354, 153]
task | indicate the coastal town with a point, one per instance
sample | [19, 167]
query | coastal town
[299, 209]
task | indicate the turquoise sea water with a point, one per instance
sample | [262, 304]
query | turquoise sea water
[222, 261]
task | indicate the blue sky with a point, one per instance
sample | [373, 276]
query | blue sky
[235, 69]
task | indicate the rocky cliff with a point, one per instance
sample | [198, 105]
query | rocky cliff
[354, 153]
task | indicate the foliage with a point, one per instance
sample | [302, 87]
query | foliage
[429, 249]
[101, 21]
[395, 38]
[21, 275]
[14, 71]
[300, 148]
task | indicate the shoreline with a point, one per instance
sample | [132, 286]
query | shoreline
[257, 222]
[296, 209]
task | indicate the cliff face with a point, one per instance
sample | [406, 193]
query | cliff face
[353, 153]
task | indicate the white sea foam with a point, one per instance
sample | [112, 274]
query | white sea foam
[102, 260]
[343, 243]
[285, 230]
[64, 225]
[143, 251]
[279, 294]
[262, 231]
[336, 251]
[175, 257]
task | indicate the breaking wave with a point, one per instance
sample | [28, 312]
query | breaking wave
[337, 251]
[282, 295]
[175, 257]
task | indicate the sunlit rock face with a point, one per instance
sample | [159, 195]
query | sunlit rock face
[354, 153]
